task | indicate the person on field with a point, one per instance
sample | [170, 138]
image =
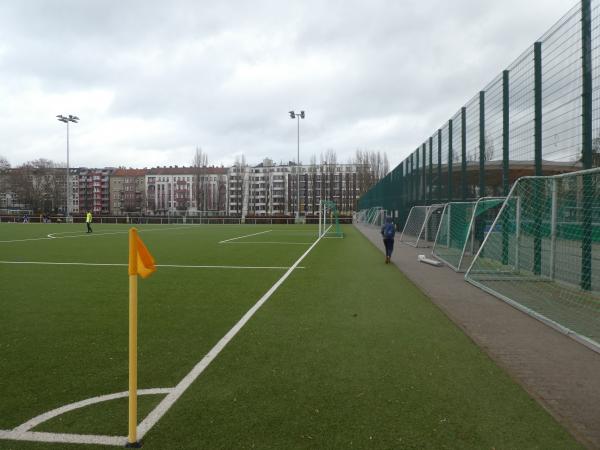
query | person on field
[388, 231]
[88, 221]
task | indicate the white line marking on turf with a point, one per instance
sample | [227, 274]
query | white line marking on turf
[182, 266]
[271, 242]
[36, 436]
[22, 433]
[186, 382]
[84, 234]
[245, 236]
[30, 424]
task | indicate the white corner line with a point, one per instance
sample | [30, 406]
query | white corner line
[166, 403]
[37, 436]
[30, 424]
[245, 236]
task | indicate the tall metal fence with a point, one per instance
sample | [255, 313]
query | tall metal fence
[540, 116]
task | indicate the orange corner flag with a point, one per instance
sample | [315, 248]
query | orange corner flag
[141, 261]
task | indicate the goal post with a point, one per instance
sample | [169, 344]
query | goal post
[540, 252]
[329, 220]
[462, 230]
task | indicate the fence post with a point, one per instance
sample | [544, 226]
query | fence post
[424, 183]
[537, 205]
[418, 177]
[450, 160]
[553, 227]
[439, 167]
[588, 189]
[517, 231]
[430, 170]
[482, 154]
[448, 241]
[463, 152]
[505, 156]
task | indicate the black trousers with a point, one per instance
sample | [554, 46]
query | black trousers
[389, 246]
[89, 227]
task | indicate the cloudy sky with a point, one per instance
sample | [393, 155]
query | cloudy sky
[151, 80]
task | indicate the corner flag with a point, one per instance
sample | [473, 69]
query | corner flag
[141, 263]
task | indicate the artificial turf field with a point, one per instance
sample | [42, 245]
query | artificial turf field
[346, 353]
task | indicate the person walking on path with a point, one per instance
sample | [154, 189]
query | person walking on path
[88, 221]
[388, 231]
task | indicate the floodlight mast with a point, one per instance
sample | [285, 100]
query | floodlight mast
[298, 116]
[67, 119]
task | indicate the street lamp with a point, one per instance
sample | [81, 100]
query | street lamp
[295, 115]
[67, 119]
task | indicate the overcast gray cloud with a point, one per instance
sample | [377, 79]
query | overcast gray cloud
[152, 80]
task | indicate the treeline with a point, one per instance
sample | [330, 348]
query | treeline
[39, 183]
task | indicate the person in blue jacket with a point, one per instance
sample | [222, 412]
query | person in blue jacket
[388, 231]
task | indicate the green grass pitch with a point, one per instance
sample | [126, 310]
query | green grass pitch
[346, 353]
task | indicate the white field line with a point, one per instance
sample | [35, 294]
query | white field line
[30, 424]
[23, 433]
[177, 266]
[36, 436]
[166, 403]
[245, 236]
[84, 234]
[272, 242]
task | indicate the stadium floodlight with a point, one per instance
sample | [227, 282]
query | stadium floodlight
[67, 119]
[295, 115]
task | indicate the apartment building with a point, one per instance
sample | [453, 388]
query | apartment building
[93, 189]
[269, 189]
[186, 190]
[128, 191]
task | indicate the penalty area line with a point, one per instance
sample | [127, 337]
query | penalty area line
[245, 236]
[166, 403]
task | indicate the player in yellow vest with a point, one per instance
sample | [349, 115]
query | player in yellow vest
[88, 221]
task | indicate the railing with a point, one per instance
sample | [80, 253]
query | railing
[168, 220]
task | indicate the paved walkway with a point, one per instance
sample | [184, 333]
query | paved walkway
[560, 373]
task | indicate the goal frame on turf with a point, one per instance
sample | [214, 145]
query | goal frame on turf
[327, 208]
[469, 234]
[542, 261]
[422, 227]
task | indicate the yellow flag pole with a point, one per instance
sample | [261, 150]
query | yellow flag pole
[132, 437]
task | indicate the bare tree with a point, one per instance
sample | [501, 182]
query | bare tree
[4, 174]
[199, 165]
[241, 186]
[312, 175]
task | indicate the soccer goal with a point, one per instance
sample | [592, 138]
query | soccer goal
[329, 220]
[462, 229]
[541, 252]
[371, 216]
[421, 226]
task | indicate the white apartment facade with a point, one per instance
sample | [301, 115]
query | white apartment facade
[270, 190]
[186, 190]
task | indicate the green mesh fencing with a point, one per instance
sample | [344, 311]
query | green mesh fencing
[542, 252]
[462, 230]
